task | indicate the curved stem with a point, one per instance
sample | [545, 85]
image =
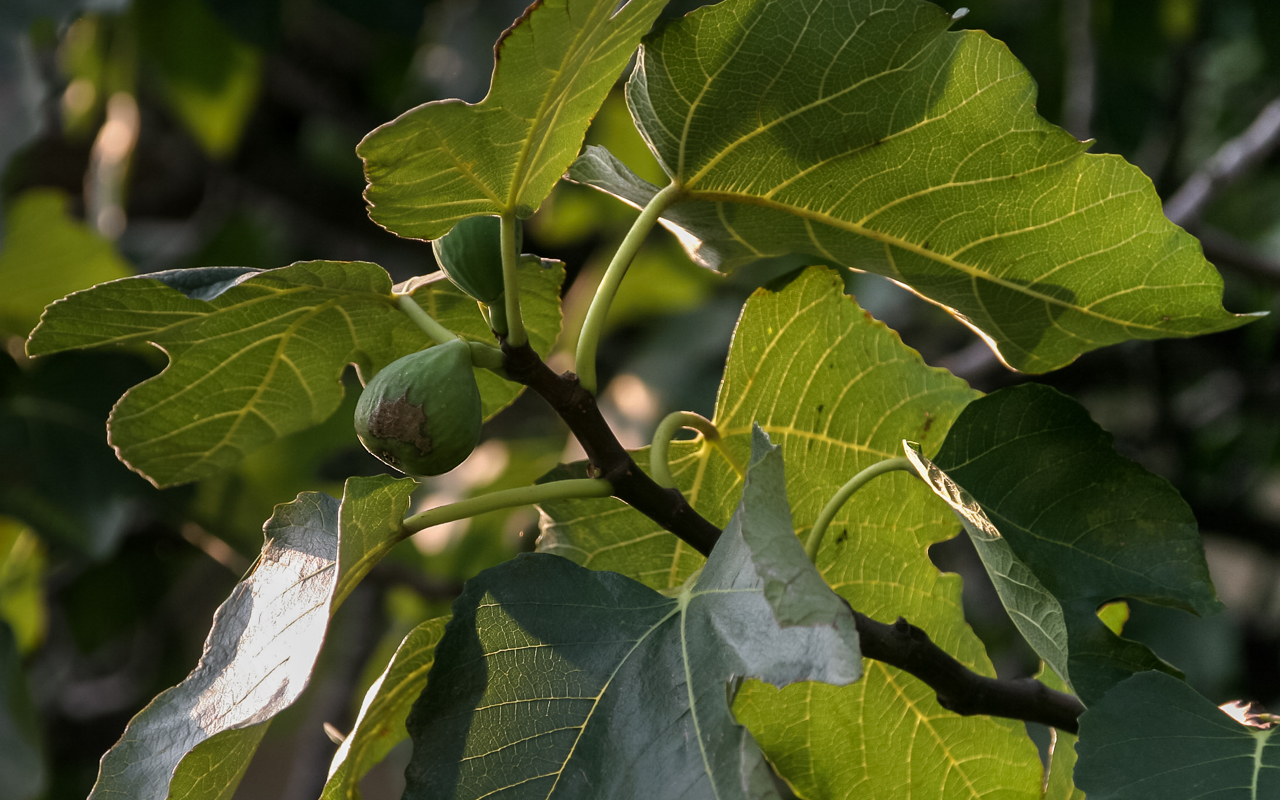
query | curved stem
[841, 497]
[510, 282]
[593, 324]
[486, 356]
[423, 320]
[659, 462]
[506, 498]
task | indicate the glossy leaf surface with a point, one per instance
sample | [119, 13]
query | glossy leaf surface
[255, 355]
[196, 739]
[1155, 736]
[447, 160]
[380, 726]
[838, 391]
[1075, 526]
[554, 681]
[867, 134]
[257, 660]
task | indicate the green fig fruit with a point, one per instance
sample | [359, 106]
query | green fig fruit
[421, 414]
[471, 255]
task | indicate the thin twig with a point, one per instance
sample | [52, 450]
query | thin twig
[1225, 167]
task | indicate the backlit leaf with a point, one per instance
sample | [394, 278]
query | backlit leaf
[255, 355]
[1072, 525]
[867, 134]
[554, 681]
[447, 160]
[838, 391]
[196, 739]
[1155, 736]
[380, 726]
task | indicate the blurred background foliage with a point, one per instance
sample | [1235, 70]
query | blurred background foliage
[159, 134]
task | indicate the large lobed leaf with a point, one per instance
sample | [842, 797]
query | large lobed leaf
[196, 739]
[447, 160]
[1154, 736]
[1069, 524]
[555, 681]
[838, 391]
[865, 133]
[255, 355]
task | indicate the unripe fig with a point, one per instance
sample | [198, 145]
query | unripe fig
[421, 414]
[471, 255]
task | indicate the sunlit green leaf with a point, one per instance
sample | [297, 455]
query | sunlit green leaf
[47, 255]
[372, 509]
[1075, 525]
[380, 725]
[838, 391]
[1154, 736]
[447, 160]
[570, 683]
[257, 354]
[866, 134]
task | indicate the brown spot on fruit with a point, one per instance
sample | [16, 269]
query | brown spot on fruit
[402, 421]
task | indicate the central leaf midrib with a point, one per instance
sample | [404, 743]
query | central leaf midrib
[902, 244]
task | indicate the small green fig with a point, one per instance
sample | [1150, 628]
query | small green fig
[471, 255]
[421, 414]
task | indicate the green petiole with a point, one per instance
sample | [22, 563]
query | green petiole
[510, 282]
[842, 496]
[482, 355]
[659, 464]
[506, 498]
[593, 325]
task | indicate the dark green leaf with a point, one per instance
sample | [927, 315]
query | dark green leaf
[1059, 784]
[1075, 526]
[380, 725]
[868, 135]
[21, 762]
[255, 356]
[447, 160]
[838, 391]
[1153, 736]
[556, 681]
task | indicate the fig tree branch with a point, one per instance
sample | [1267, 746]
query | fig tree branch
[901, 644]
[960, 689]
[577, 407]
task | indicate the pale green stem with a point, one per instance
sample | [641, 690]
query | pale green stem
[485, 356]
[593, 324]
[841, 497]
[511, 283]
[506, 498]
[423, 320]
[659, 463]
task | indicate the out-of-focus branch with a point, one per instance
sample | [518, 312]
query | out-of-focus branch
[1081, 68]
[1228, 252]
[1225, 167]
